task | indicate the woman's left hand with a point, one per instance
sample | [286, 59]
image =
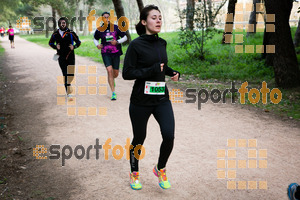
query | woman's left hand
[175, 77]
[114, 42]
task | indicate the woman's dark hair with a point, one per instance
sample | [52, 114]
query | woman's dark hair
[105, 13]
[140, 28]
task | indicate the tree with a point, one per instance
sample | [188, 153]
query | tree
[25, 9]
[252, 18]
[190, 9]
[131, 12]
[229, 19]
[211, 11]
[297, 36]
[120, 12]
[57, 7]
[90, 4]
[7, 10]
[140, 4]
[194, 41]
[74, 4]
[284, 60]
[99, 6]
[179, 12]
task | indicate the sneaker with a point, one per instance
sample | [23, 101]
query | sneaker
[135, 181]
[162, 178]
[114, 96]
[69, 97]
[292, 190]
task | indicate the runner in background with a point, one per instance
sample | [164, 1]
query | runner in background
[63, 41]
[111, 51]
[146, 62]
[11, 36]
[294, 191]
[2, 31]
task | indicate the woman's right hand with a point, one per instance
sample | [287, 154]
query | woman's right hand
[58, 46]
[162, 67]
[100, 46]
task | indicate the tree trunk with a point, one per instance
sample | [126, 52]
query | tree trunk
[210, 14]
[297, 35]
[140, 5]
[120, 12]
[205, 14]
[284, 59]
[217, 10]
[229, 24]
[190, 9]
[252, 18]
[85, 29]
[76, 14]
[53, 20]
[54, 17]
[179, 13]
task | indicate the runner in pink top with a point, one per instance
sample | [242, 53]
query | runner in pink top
[2, 31]
[11, 35]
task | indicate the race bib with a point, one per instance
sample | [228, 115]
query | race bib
[109, 38]
[155, 88]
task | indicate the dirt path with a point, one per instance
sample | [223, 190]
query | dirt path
[192, 167]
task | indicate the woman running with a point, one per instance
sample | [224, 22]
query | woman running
[146, 62]
[11, 36]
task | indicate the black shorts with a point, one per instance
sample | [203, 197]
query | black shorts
[11, 37]
[113, 61]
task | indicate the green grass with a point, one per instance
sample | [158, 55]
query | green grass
[1, 50]
[38, 39]
[2, 157]
[3, 180]
[221, 63]
[288, 106]
[2, 78]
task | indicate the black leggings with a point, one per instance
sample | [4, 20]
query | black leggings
[139, 116]
[63, 63]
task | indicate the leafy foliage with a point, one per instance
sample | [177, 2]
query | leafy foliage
[193, 41]
[7, 10]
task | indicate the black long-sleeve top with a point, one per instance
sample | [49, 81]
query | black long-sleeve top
[69, 37]
[142, 62]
